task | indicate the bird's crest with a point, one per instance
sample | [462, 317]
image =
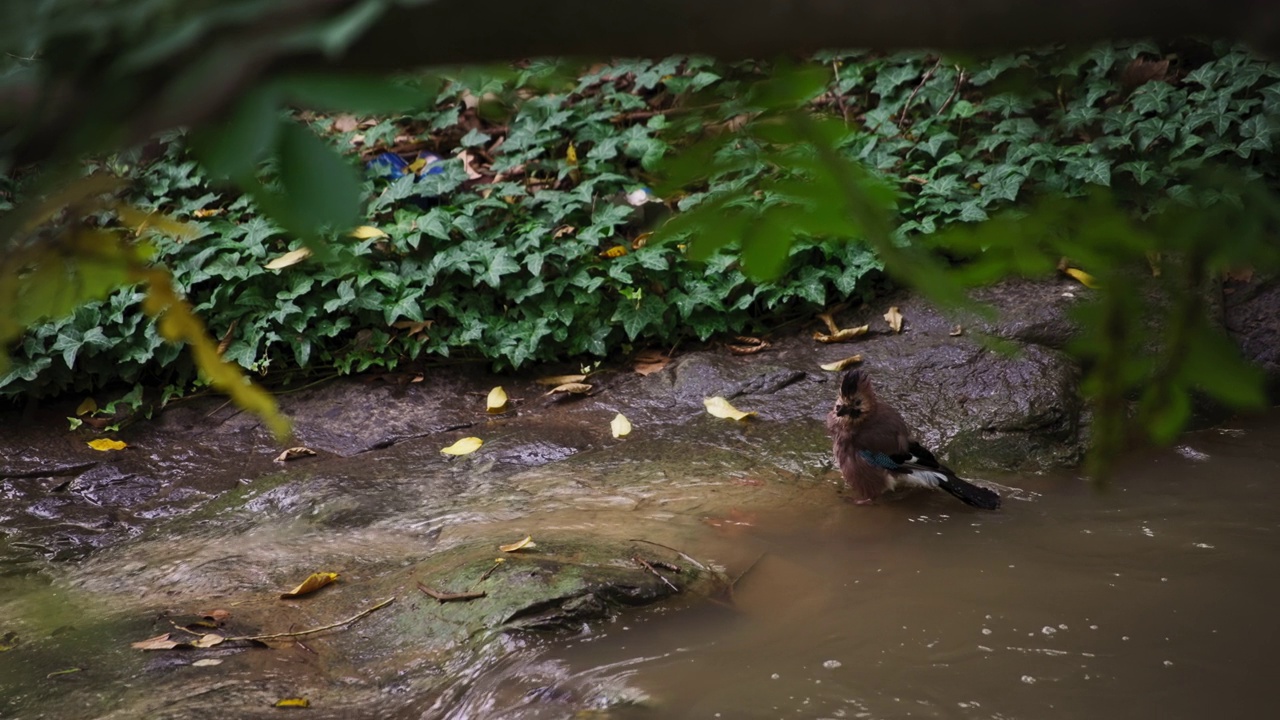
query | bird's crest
[853, 382]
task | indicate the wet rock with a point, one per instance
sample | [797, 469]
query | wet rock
[1252, 317]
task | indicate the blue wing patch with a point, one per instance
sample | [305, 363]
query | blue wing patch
[880, 460]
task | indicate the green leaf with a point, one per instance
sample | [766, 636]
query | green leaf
[321, 189]
[234, 148]
[362, 95]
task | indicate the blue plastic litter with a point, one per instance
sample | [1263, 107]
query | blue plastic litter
[392, 166]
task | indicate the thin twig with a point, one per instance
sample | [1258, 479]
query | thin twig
[954, 91]
[496, 564]
[696, 564]
[215, 410]
[835, 92]
[654, 570]
[903, 117]
[447, 597]
[313, 631]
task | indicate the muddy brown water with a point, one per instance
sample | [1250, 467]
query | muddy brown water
[1156, 597]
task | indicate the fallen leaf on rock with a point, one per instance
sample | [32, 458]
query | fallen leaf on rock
[159, 642]
[497, 400]
[105, 445]
[894, 318]
[294, 453]
[465, 446]
[89, 405]
[957, 331]
[208, 640]
[620, 426]
[1082, 277]
[719, 407]
[527, 542]
[572, 388]
[747, 345]
[828, 318]
[843, 363]
[293, 257]
[844, 335]
[648, 362]
[560, 379]
[206, 662]
[313, 583]
[367, 232]
[294, 702]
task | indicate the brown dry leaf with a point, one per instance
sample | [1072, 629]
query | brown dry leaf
[159, 642]
[468, 165]
[293, 702]
[497, 400]
[573, 388]
[719, 407]
[294, 453]
[293, 257]
[641, 240]
[562, 231]
[648, 362]
[560, 379]
[894, 318]
[841, 364]
[844, 335]
[218, 616]
[311, 584]
[415, 328]
[105, 445]
[828, 317]
[206, 662]
[747, 345]
[345, 123]
[89, 405]
[620, 426]
[527, 542]
[225, 342]
[957, 331]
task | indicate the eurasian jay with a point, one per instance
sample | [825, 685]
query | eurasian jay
[876, 454]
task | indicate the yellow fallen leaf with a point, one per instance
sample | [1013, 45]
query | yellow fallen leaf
[311, 584]
[367, 232]
[571, 155]
[844, 335]
[208, 640]
[1083, 277]
[206, 662]
[295, 702]
[465, 446]
[293, 257]
[497, 401]
[294, 453]
[894, 318]
[560, 379]
[841, 364]
[89, 405]
[616, 251]
[572, 388]
[527, 542]
[620, 425]
[104, 445]
[721, 408]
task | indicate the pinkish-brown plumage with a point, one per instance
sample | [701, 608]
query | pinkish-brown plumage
[875, 452]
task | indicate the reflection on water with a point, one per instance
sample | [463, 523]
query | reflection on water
[1155, 597]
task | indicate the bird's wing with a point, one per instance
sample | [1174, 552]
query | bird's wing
[910, 466]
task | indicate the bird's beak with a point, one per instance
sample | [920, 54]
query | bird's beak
[847, 411]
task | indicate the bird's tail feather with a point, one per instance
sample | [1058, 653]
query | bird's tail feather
[971, 494]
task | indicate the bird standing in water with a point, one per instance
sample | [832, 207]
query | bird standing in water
[876, 453]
